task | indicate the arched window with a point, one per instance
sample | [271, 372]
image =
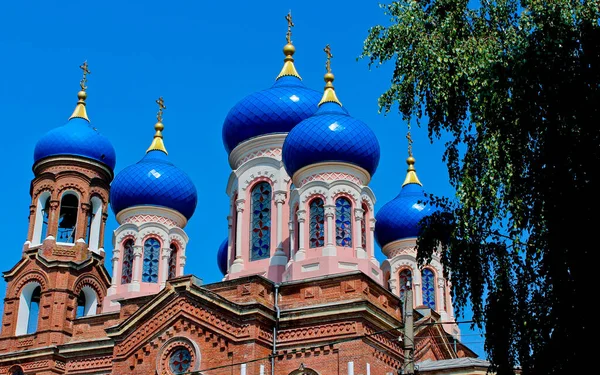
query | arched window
[87, 302]
[151, 255]
[404, 277]
[67, 220]
[343, 222]
[317, 223]
[173, 262]
[16, 370]
[428, 288]
[260, 224]
[42, 213]
[127, 266]
[29, 308]
[94, 223]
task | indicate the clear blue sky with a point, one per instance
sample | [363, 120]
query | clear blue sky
[202, 57]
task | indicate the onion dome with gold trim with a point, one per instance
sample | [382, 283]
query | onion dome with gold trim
[77, 137]
[331, 135]
[154, 181]
[274, 110]
[399, 218]
[222, 257]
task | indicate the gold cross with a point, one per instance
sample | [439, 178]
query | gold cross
[86, 71]
[327, 50]
[288, 18]
[161, 107]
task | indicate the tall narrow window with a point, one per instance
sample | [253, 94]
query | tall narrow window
[67, 220]
[260, 231]
[151, 255]
[317, 223]
[127, 266]
[343, 222]
[42, 214]
[404, 277]
[80, 305]
[94, 223]
[45, 214]
[428, 288]
[173, 262]
[29, 308]
[34, 310]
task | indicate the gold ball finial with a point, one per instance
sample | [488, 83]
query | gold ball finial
[82, 95]
[159, 127]
[289, 49]
[410, 160]
[329, 77]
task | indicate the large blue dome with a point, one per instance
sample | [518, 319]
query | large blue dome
[222, 257]
[331, 135]
[76, 138]
[399, 218]
[154, 181]
[274, 110]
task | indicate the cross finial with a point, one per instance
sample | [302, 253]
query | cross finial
[86, 71]
[161, 108]
[288, 35]
[410, 141]
[327, 50]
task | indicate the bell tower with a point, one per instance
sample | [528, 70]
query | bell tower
[61, 276]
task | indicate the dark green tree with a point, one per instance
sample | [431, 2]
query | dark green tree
[515, 87]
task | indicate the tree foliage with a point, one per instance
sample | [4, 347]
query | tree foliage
[515, 85]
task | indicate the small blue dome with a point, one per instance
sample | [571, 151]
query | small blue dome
[399, 218]
[222, 257]
[274, 110]
[331, 135]
[154, 181]
[76, 138]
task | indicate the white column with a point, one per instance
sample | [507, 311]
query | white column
[440, 304]
[359, 214]
[238, 263]
[164, 266]
[229, 240]
[301, 254]
[116, 278]
[243, 369]
[279, 258]
[182, 259]
[350, 368]
[368, 369]
[137, 268]
[329, 249]
[371, 247]
[292, 241]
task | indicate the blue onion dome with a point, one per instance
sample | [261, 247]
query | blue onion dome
[154, 181]
[222, 257]
[399, 218]
[330, 135]
[274, 110]
[76, 138]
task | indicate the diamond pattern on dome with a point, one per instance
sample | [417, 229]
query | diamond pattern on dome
[154, 181]
[400, 217]
[222, 256]
[275, 110]
[77, 138]
[331, 135]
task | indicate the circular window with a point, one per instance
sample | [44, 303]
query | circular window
[180, 360]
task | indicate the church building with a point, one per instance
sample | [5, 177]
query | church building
[302, 290]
